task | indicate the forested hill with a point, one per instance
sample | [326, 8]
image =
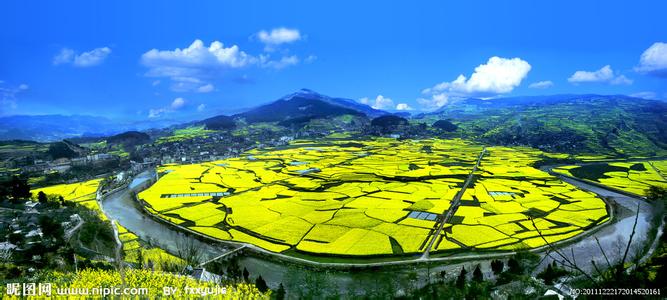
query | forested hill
[618, 125]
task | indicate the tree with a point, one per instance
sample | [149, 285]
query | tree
[388, 123]
[233, 270]
[547, 275]
[656, 193]
[62, 200]
[140, 258]
[514, 266]
[16, 238]
[280, 293]
[62, 150]
[51, 228]
[497, 266]
[261, 284]
[445, 125]
[41, 197]
[477, 275]
[461, 280]
[246, 275]
[19, 189]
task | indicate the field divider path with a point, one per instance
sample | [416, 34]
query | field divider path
[453, 206]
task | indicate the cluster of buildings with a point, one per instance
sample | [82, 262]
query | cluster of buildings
[209, 148]
[64, 164]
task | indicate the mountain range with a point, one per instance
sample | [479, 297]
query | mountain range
[612, 124]
[48, 128]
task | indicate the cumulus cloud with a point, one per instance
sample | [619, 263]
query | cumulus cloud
[654, 60]
[278, 36]
[603, 75]
[197, 54]
[85, 59]
[380, 102]
[498, 76]
[403, 106]
[175, 105]
[201, 107]
[541, 84]
[434, 102]
[190, 69]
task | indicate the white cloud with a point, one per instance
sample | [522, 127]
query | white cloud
[8, 96]
[64, 56]
[175, 105]
[603, 75]
[654, 60]
[155, 83]
[498, 76]
[195, 55]
[193, 67]
[645, 95]
[380, 102]
[310, 59]
[278, 36]
[156, 112]
[403, 106]
[621, 79]
[201, 107]
[541, 84]
[178, 103]
[285, 61]
[92, 58]
[434, 102]
[86, 59]
[207, 88]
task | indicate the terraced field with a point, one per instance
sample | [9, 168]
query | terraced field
[375, 197]
[632, 177]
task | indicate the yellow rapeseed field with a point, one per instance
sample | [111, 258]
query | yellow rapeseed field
[373, 197]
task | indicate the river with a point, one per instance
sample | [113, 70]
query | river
[121, 207]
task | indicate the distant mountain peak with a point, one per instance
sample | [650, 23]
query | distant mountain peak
[306, 103]
[305, 93]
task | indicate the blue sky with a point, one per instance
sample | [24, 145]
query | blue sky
[97, 57]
